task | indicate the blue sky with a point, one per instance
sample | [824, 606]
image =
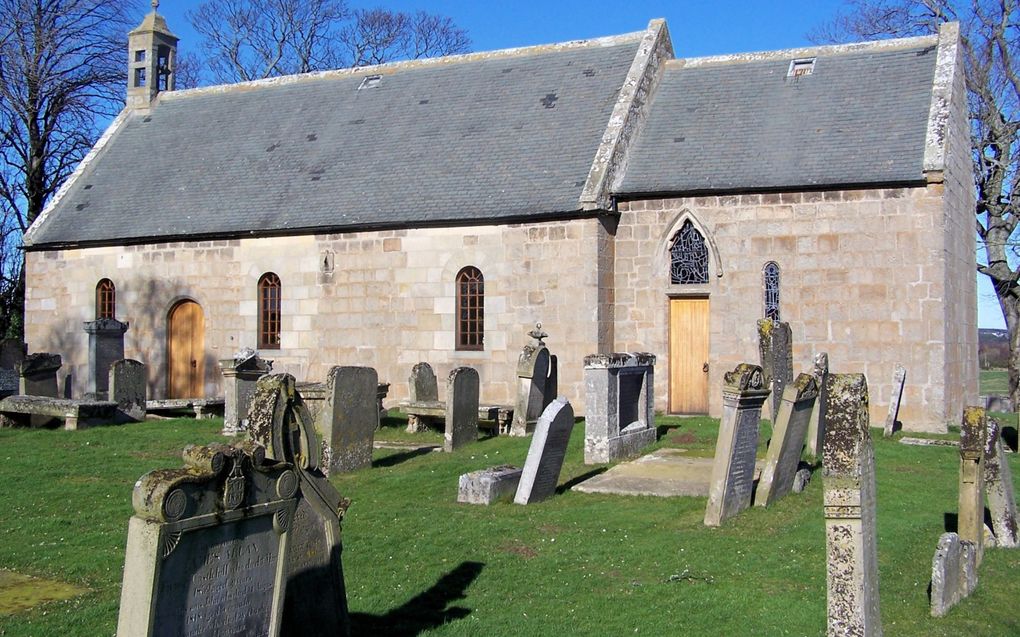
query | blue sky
[698, 27]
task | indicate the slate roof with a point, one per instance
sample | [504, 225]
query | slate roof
[490, 136]
[739, 123]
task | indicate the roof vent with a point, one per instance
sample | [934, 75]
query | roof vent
[801, 67]
[370, 81]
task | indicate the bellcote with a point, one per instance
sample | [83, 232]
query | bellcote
[152, 59]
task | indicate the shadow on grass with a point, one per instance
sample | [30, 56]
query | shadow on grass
[397, 458]
[573, 482]
[423, 612]
[1009, 436]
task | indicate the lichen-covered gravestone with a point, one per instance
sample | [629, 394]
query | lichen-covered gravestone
[240, 374]
[461, 408]
[783, 457]
[536, 382]
[971, 514]
[848, 475]
[775, 347]
[127, 388]
[729, 493]
[207, 546]
[347, 423]
[953, 573]
[999, 489]
[816, 425]
[899, 378]
[545, 456]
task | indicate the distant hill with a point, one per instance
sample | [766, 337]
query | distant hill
[993, 348]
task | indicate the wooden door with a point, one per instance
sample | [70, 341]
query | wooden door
[186, 351]
[688, 356]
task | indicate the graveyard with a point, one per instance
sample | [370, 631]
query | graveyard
[416, 561]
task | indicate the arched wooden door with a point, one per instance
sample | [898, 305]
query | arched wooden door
[186, 351]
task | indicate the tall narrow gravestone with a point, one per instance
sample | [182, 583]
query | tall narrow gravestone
[899, 378]
[729, 493]
[545, 457]
[536, 382]
[971, 516]
[348, 421]
[848, 475]
[620, 391]
[106, 345]
[127, 389]
[316, 596]
[999, 489]
[207, 548]
[461, 408]
[816, 425]
[240, 374]
[787, 444]
[775, 346]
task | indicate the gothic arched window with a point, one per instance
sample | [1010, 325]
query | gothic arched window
[106, 300]
[688, 256]
[470, 309]
[770, 286]
[269, 311]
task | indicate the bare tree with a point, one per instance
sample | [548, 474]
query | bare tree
[62, 73]
[990, 31]
[253, 39]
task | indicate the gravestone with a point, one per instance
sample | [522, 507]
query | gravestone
[347, 423]
[37, 375]
[620, 392]
[280, 423]
[106, 345]
[536, 383]
[12, 352]
[240, 374]
[953, 573]
[489, 485]
[207, 548]
[461, 408]
[783, 457]
[899, 377]
[775, 346]
[971, 514]
[999, 489]
[127, 385]
[816, 425]
[848, 479]
[422, 385]
[998, 403]
[545, 456]
[729, 493]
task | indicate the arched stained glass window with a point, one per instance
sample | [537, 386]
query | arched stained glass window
[106, 300]
[470, 309]
[269, 311]
[770, 286]
[688, 256]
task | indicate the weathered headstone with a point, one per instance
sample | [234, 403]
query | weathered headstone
[848, 477]
[316, 596]
[783, 457]
[207, 548]
[37, 375]
[775, 346]
[12, 352]
[536, 382]
[489, 485]
[348, 421]
[240, 374]
[816, 426]
[461, 408]
[127, 385]
[545, 456]
[971, 514]
[620, 398]
[899, 378]
[999, 489]
[952, 573]
[422, 385]
[106, 345]
[744, 392]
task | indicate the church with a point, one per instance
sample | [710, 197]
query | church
[436, 210]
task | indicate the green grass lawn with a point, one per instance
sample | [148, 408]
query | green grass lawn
[993, 381]
[417, 562]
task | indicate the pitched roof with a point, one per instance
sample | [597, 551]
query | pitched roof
[505, 135]
[741, 123]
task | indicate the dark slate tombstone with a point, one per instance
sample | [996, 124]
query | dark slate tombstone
[999, 489]
[732, 481]
[316, 596]
[848, 477]
[348, 422]
[37, 375]
[106, 345]
[127, 385]
[461, 408]
[422, 385]
[545, 456]
[971, 515]
[620, 399]
[816, 426]
[891, 424]
[783, 457]
[775, 345]
[240, 374]
[536, 382]
[207, 548]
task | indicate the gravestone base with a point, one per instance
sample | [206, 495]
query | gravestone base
[626, 445]
[489, 485]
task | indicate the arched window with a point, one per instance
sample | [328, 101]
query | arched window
[269, 311]
[106, 300]
[470, 309]
[770, 286]
[688, 256]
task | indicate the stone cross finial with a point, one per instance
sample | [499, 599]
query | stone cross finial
[538, 334]
[155, 4]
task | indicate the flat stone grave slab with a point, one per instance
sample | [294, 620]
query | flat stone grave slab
[663, 473]
[21, 592]
[928, 442]
[200, 407]
[75, 413]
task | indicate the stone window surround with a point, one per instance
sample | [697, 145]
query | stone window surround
[106, 299]
[470, 332]
[270, 316]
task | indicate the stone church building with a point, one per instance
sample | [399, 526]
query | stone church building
[435, 210]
